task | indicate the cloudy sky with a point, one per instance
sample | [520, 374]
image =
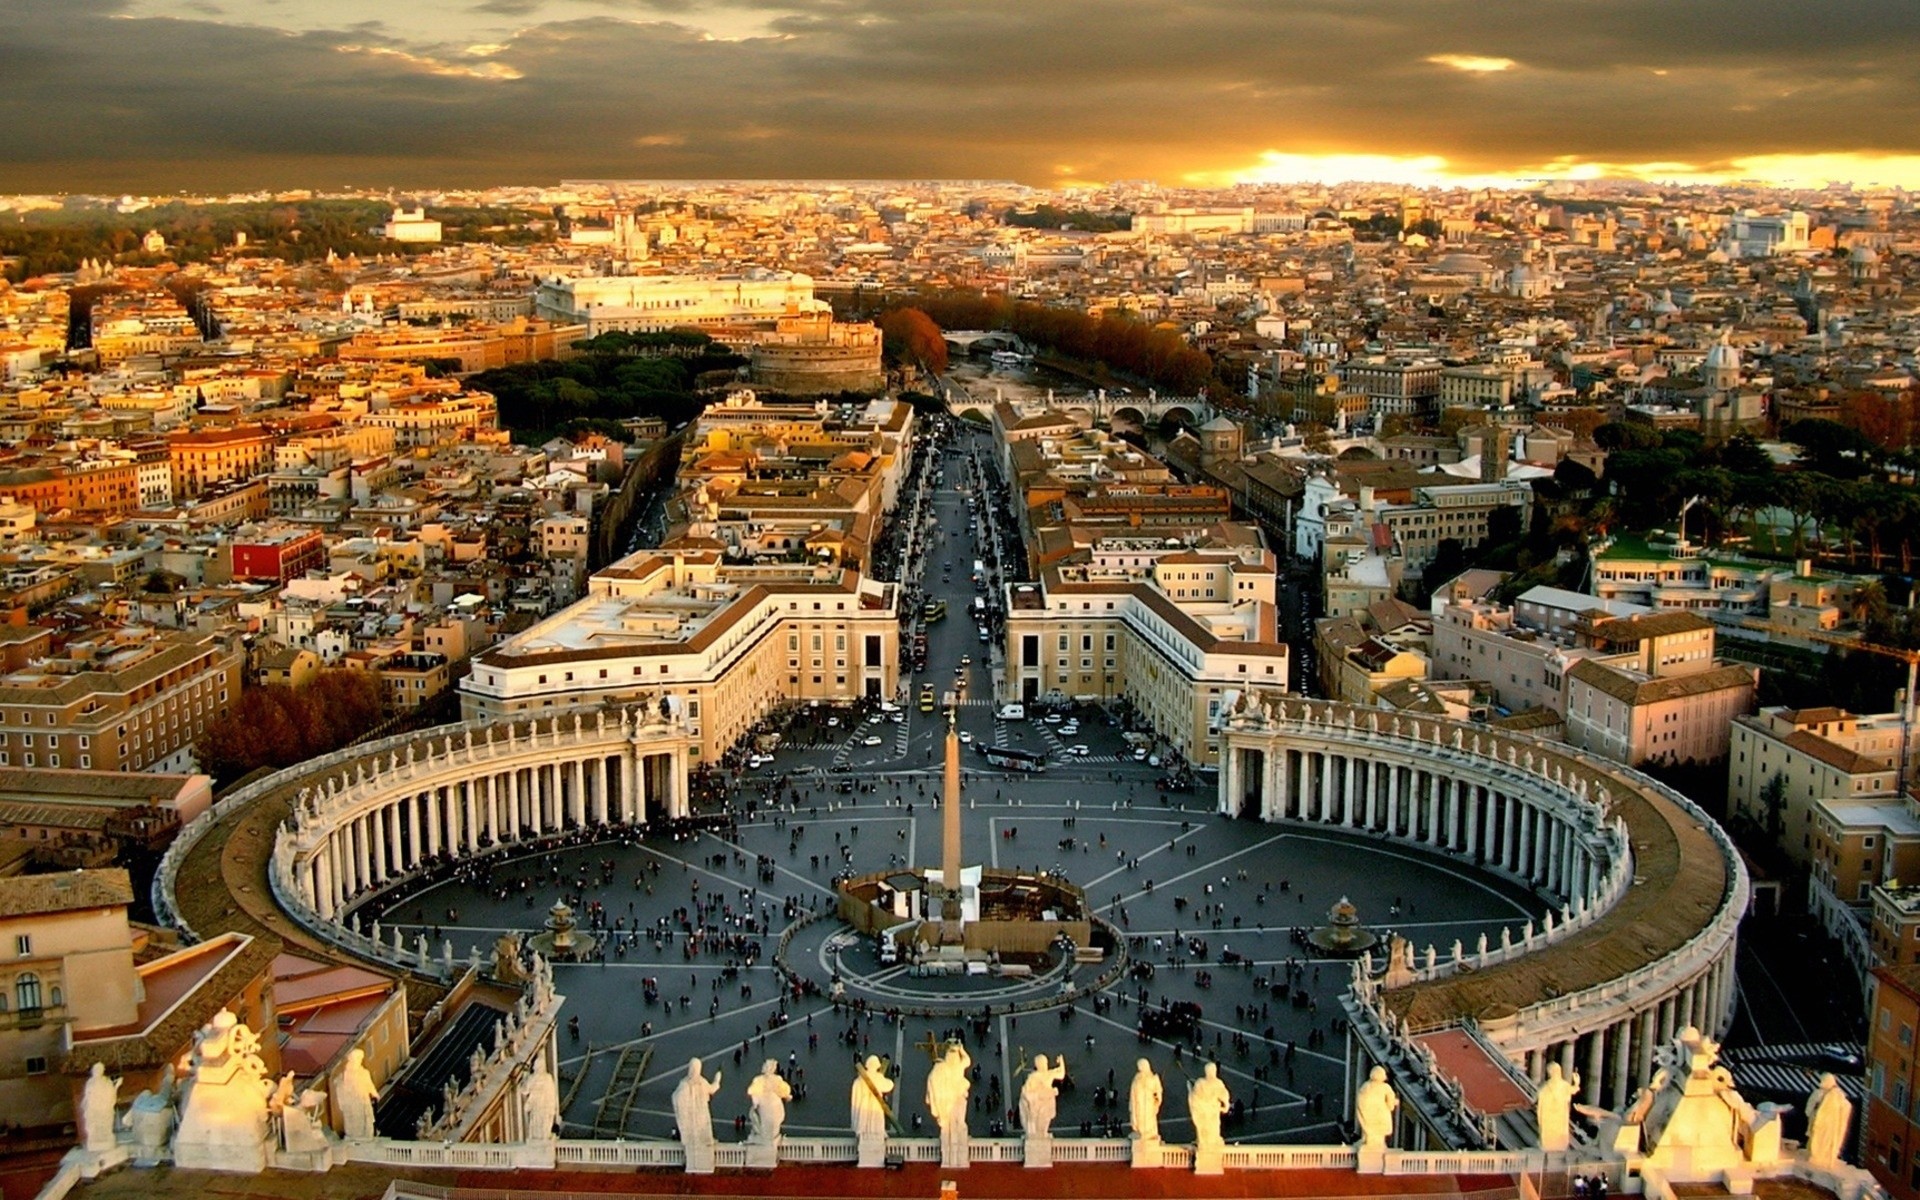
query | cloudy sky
[150, 95]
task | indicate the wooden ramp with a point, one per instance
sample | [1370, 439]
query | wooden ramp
[616, 1106]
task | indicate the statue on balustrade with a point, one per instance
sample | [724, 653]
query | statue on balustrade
[690, 1107]
[97, 1098]
[769, 1094]
[1828, 1112]
[357, 1094]
[539, 1102]
[1207, 1102]
[1143, 1102]
[1374, 1108]
[947, 1089]
[1552, 1108]
[1038, 1099]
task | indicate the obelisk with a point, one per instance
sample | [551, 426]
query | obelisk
[950, 911]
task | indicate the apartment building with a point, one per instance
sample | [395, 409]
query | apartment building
[1177, 633]
[1818, 754]
[1888, 1125]
[202, 458]
[1394, 387]
[130, 700]
[726, 643]
[1655, 693]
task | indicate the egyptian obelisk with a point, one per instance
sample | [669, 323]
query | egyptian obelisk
[950, 911]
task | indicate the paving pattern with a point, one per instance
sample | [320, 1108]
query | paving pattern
[1169, 876]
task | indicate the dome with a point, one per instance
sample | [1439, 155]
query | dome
[1220, 425]
[1863, 254]
[1460, 263]
[1664, 306]
[1723, 357]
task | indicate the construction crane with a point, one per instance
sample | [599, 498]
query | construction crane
[1909, 657]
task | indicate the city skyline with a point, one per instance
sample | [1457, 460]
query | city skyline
[159, 95]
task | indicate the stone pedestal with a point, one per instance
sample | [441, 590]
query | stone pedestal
[1370, 1160]
[1146, 1152]
[700, 1158]
[1210, 1160]
[1038, 1151]
[873, 1150]
[764, 1156]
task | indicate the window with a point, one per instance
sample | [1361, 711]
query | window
[26, 992]
[36, 1064]
[23, 943]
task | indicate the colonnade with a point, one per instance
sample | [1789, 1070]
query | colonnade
[1525, 833]
[1543, 815]
[358, 832]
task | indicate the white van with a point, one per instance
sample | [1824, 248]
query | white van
[1013, 712]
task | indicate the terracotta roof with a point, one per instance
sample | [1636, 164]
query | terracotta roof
[1636, 689]
[68, 891]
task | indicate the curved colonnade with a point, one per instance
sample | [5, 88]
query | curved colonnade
[1647, 890]
[367, 819]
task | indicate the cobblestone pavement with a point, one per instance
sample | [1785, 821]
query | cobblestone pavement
[1161, 873]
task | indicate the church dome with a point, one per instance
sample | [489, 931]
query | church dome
[1723, 357]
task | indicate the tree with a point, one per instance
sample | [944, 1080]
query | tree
[1875, 418]
[1626, 435]
[910, 335]
[1831, 448]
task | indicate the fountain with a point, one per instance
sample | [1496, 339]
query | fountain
[1343, 936]
[562, 940]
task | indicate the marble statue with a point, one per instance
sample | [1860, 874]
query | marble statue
[690, 1112]
[539, 1102]
[303, 1123]
[1038, 1099]
[1552, 1106]
[1828, 1112]
[150, 1117]
[947, 1089]
[1207, 1102]
[1374, 1106]
[768, 1093]
[223, 1110]
[870, 1110]
[1143, 1102]
[97, 1099]
[870, 1088]
[357, 1093]
[506, 959]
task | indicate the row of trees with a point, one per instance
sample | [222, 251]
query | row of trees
[56, 240]
[1159, 356]
[1048, 216]
[277, 726]
[615, 378]
[910, 336]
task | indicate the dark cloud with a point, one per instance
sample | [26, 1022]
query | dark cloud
[90, 98]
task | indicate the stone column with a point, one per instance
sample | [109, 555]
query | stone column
[431, 800]
[1393, 799]
[1622, 1032]
[323, 879]
[1327, 813]
[1304, 787]
[677, 782]
[1233, 769]
[362, 854]
[1350, 769]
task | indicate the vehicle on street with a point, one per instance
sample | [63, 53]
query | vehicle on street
[1079, 750]
[1052, 718]
[966, 738]
[1012, 712]
[872, 739]
[1014, 759]
[1139, 754]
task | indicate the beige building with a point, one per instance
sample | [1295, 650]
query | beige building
[727, 643]
[1178, 632]
[1656, 693]
[132, 700]
[1819, 754]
